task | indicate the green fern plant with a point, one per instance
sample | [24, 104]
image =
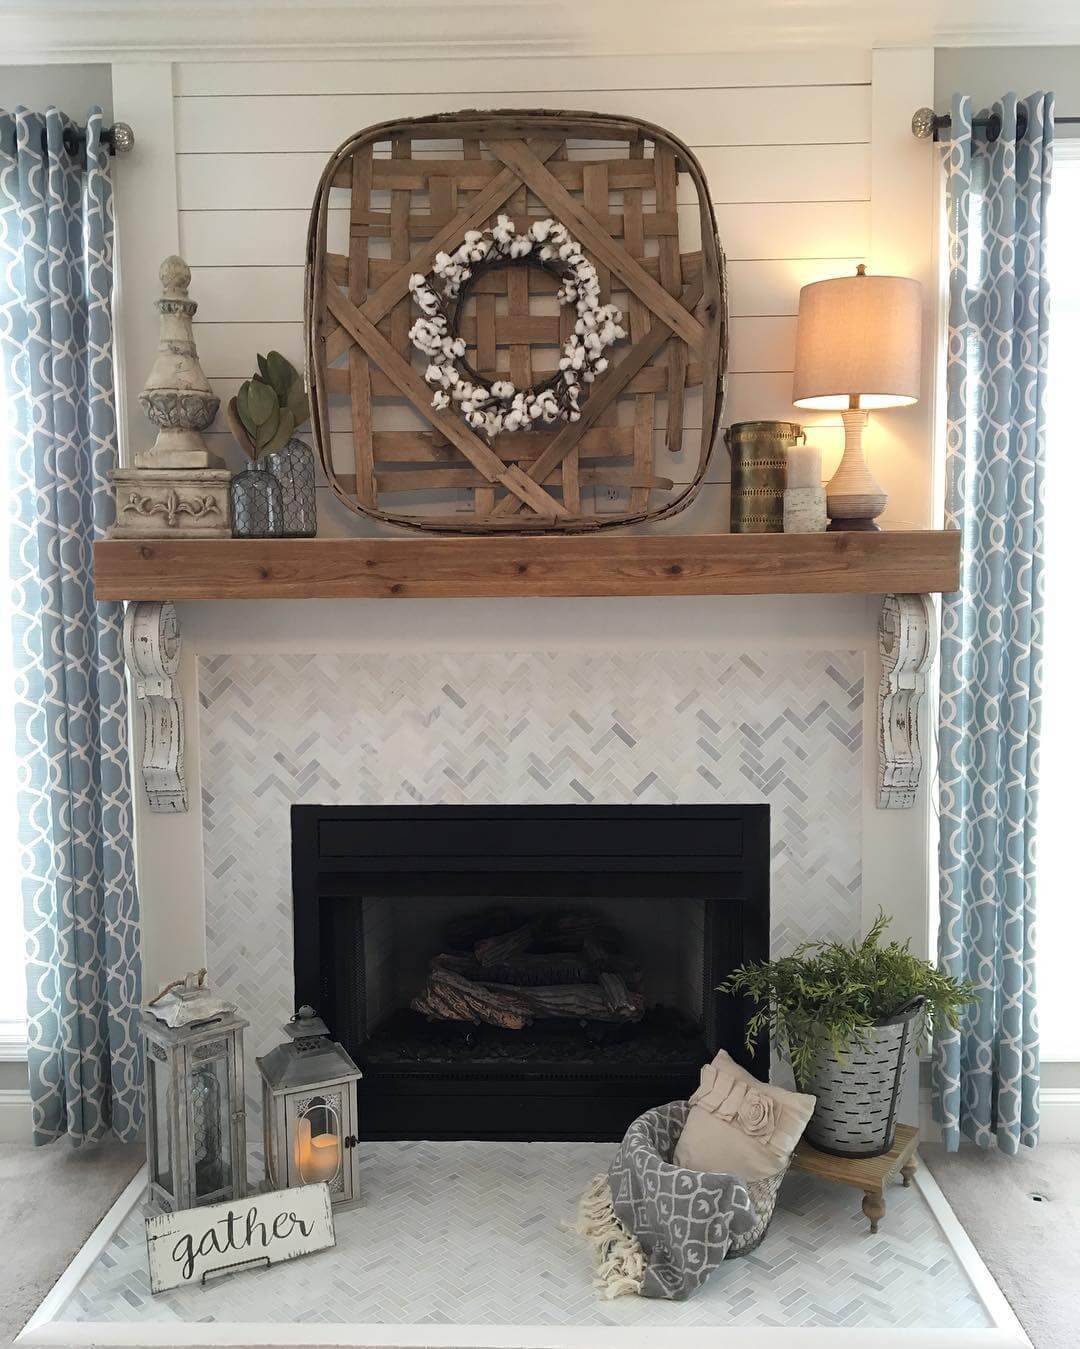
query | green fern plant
[269, 408]
[833, 993]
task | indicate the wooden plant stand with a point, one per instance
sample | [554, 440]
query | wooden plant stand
[869, 1174]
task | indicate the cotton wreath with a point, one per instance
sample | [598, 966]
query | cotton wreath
[501, 406]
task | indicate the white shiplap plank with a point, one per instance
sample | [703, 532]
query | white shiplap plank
[752, 173]
[577, 74]
[813, 229]
[828, 114]
[759, 173]
[750, 231]
[227, 350]
[770, 288]
[274, 295]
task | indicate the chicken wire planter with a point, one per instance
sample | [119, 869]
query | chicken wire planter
[617, 463]
[294, 469]
[858, 1094]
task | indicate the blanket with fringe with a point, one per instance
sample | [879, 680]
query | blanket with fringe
[656, 1229]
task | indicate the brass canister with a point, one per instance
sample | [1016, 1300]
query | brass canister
[759, 474]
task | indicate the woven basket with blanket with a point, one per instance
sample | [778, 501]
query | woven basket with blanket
[692, 1184]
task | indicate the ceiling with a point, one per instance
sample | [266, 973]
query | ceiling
[73, 29]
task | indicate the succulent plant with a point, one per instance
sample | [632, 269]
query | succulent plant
[270, 406]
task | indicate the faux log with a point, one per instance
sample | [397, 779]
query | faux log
[497, 950]
[522, 972]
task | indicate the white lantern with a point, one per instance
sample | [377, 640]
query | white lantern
[196, 1150]
[310, 1111]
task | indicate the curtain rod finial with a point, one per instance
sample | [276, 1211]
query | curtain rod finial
[123, 138]
[924, 123]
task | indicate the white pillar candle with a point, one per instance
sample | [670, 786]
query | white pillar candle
[803, 466]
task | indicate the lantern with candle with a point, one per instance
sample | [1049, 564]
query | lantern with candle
[310, 1110]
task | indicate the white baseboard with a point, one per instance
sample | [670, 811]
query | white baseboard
[15, 1115]
[1059, 1116]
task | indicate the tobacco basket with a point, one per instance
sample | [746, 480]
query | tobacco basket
[635, 197]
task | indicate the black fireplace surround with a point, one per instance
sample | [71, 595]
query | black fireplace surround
[686, 888]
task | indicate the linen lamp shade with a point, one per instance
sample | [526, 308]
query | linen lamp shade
[858, 337]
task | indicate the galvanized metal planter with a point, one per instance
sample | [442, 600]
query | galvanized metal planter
[857, 1095]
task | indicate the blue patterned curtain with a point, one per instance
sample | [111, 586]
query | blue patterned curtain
[986, 1075]
[75, 823]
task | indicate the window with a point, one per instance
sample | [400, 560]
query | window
[1058, 913]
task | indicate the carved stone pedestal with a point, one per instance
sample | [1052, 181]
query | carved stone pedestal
[169, 503]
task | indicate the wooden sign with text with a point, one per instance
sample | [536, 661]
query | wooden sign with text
[200, 1244]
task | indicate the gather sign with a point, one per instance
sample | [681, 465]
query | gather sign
[199, 1244]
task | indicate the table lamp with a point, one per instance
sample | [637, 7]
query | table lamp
[858, 347]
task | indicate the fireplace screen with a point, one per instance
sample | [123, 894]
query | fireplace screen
[488, 988]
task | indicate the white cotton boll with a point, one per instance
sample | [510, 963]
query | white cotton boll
[564, 363]
[547, 253]
[601, 365]
[592, 342]
[578, 359]
[473, 236]
[457, 346]
[502, 388]
[520, 247]
[433, 374]
[535, 410]
[440, 401]
[574, 416]
[512, 421]
[416, 280]
[565, 250]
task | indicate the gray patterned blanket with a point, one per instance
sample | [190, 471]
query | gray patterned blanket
[657, 1229]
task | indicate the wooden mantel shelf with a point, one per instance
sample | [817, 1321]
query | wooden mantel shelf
[425, 566]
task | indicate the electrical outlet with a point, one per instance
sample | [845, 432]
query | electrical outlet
[611, 500]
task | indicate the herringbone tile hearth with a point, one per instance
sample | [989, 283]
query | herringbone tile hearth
[470, 1234]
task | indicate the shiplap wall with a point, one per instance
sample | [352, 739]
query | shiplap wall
[784, 141]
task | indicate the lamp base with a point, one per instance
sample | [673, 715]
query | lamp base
[853, 526]
[854, 496]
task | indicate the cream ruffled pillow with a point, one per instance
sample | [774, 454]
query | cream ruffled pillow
[740, 1125]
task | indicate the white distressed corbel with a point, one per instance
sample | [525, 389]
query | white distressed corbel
[152, 654]
[907, 640]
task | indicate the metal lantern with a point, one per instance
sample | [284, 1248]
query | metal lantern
[309, 1111]
[196, 1146]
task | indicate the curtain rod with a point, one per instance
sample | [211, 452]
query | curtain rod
[926, 124]
[118, 139]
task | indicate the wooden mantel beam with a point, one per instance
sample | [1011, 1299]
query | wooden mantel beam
[430, 567]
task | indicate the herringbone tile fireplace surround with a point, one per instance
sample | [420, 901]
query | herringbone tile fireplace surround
[784, 727]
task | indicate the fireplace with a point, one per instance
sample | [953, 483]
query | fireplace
[609, 925]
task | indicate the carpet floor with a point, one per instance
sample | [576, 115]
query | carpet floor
[52, 1198]
[1031, 1247]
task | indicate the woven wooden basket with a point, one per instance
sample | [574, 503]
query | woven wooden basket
[393, 196]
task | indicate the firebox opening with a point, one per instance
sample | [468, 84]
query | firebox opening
[527, 972]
